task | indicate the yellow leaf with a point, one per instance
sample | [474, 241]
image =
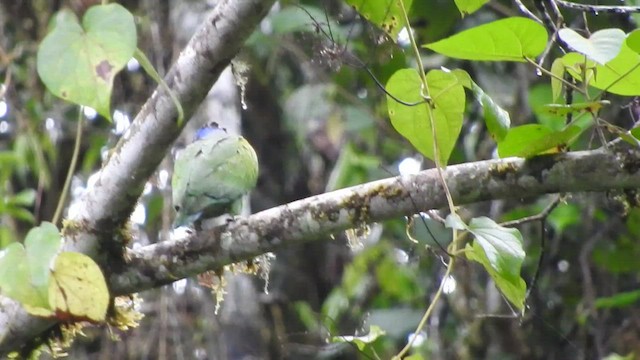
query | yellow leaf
[77, 290]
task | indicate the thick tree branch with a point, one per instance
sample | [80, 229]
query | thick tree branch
[316, 217]
[107, 205]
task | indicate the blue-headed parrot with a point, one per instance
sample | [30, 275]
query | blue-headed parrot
[211, 175]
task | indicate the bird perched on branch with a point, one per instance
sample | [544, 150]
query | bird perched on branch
[211, 175]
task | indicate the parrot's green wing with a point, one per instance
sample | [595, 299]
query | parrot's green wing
[210, 175]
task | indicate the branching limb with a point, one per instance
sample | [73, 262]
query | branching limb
[315, 218]
[613, 9]
[106, 206]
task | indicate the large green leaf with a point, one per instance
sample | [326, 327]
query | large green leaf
[533, 139]
[619, 76]
[79, 62]
[500, 251]
[602, 46]
[445, 110]
[510, 39]
[386, 14]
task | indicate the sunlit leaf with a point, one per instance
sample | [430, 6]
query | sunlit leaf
[619, 76]
[510, 39]
[602, 46]
[79, 62]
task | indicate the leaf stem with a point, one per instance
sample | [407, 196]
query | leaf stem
[427, 313]
[72, 169]
[426, 95]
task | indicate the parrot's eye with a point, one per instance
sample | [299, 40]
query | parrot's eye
[177, 208]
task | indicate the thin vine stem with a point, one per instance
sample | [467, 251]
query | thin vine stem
[423, 78]
[71, 171]
[427, 313]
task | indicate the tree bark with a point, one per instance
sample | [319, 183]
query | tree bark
[316, 217]
[106, 207]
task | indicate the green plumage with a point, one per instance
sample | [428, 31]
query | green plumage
[211, 175]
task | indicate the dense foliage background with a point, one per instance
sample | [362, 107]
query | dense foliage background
[318, 122]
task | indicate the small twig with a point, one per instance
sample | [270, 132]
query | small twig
[526, 11]
[537, 217]
[623, 9]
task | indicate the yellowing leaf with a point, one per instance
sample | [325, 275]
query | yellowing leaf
[79, 62]
[386, 14]
[77, 290]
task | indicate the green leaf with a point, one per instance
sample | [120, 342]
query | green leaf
[619, 76]
[467, 7]
[500, 251]
[42, 244]
[496, 118]
[453, 221]
[633, 40]
[386, 14]
[414, 122]
[24, 270]
[23, 198]
[590, 107]
[79, 62]
[532, 139]
[557, 69]
[15, 281]
[21, 214]
[78, 290]
[563, 216]
[361, 342]
[602, 46]
[510, 39]
[619, 300]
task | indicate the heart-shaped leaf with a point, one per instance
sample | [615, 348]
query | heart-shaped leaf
[79, 62]
[77, 290]
[602, 46]
[510, 39]
[445, 111]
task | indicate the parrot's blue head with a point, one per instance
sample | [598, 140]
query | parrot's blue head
[208, 131]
